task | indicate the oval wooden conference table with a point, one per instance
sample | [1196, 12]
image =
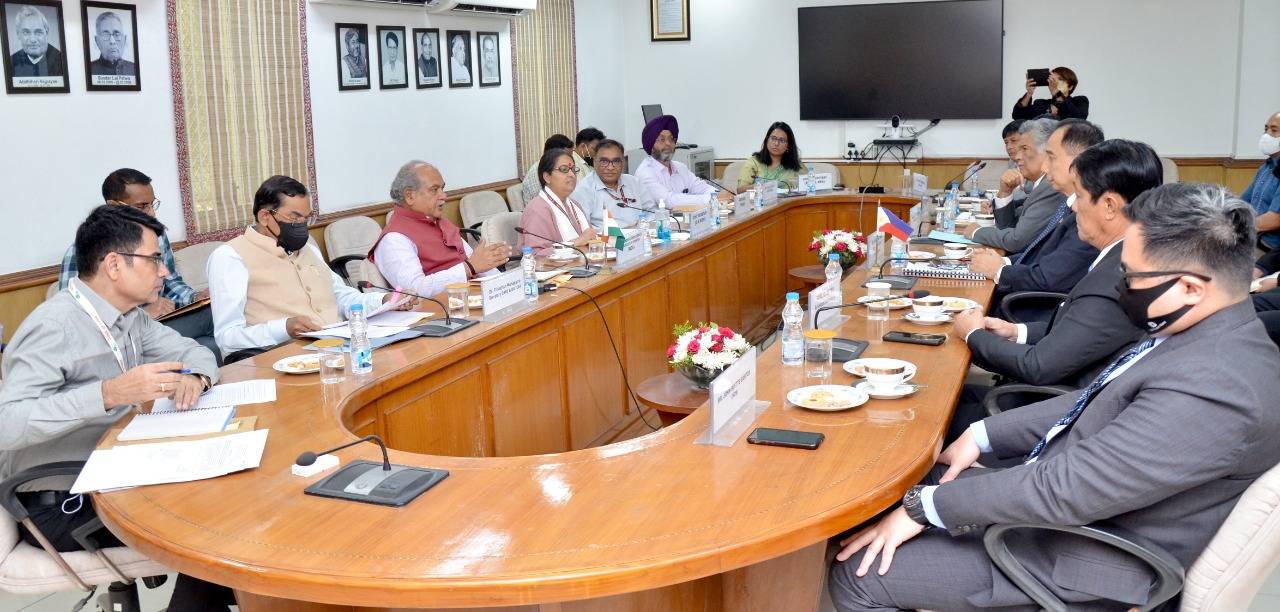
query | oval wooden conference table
[559, 497]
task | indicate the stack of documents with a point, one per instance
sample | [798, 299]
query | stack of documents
[229, 394]
[176, 423]
[163, 462]
[381, 325]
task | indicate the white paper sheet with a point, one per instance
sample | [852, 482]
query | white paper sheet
[229, 394]
[344, 331]
[162, 462]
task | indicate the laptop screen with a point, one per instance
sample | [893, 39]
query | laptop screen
[650, 112]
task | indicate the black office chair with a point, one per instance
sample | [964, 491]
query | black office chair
[1027, 306]
[1010, 396]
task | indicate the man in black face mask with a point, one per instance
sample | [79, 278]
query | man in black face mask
[1160, 444]
[269, 285]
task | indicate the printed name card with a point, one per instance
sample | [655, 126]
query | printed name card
[632, 249]
[822, 181]
[744, 203]
[501, 291]
[700, 223]
[733, 398]
[770, 189]
[919, 183]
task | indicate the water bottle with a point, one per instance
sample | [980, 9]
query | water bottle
[834, 272]
[664, 222]
[907, 184]
[643, 226]
[813, 181]
[715, 207]
[898, 251]
[529, 267]
[792, 331]
[950, 208]
[972, 183]
[361, 350]
[875, 251]
[759, 185]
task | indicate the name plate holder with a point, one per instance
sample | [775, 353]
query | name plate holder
[770, 189]
[632, 250]
[744, 203]
[700, 223]
[502, 296]
[822, 297]
[734, 406]
[919, 183]
[822, 181]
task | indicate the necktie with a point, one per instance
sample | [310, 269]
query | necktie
[1052, 223]
[1084, 398]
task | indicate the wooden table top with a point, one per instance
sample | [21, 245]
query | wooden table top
[648, 512]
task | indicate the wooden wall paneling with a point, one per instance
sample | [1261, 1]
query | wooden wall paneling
[16, 305]
[597, 398]
[646, 333]
[687, 292]
[1236, 179]
[701, 595]
[790, 582]
[526, 382]
[1202, 174]
[439, 418]
[753, 302]
[722, 287]
[775, 273]
[801, 224]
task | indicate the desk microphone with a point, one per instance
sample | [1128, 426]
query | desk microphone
[910, 295]
[371, 482]
[654, 211]
[974, 167]
[587, 270]
[721, 186]
[433, 329]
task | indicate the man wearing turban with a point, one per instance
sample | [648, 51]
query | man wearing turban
[664, 178]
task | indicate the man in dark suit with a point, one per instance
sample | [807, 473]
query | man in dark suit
[1018, 224]
[1089, 327]
[36, 57]
[428, 65]
[112, 40]
[1161, 444]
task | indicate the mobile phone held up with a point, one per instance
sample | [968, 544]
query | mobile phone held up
[785, 437]
[914, 338]
[1039, 75]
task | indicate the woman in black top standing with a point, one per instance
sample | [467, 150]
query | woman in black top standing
[1061, 104]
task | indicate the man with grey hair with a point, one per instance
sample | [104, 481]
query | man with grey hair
[36, 58]
[420, 250]
[1160, 445]
[1019, 221]
[111, 39]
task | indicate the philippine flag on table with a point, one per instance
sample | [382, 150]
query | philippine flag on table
[891, 225]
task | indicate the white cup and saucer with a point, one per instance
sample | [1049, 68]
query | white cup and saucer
[886, 378]
[956, 250]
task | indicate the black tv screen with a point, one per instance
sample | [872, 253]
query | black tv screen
[924, 60]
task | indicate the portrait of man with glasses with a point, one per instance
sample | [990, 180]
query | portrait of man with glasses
[110, 30]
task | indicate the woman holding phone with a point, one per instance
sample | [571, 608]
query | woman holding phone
[1061, 103]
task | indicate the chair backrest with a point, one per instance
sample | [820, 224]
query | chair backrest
[478, 206]
[366, 271]
[730, 177]
[501, 228]
[191, 261]
[515, 197]
[351, 236]
[1243, 553]
[1170, 170]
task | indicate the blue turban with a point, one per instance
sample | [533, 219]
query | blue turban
[655, 127]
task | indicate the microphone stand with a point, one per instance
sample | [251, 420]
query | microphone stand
[721, 186]
[371, 482]
[671, 216]
[895, 281]
[587, 270]
[430, 329]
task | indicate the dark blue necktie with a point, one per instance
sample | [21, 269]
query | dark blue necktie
[1084, 398]
[1062, 211]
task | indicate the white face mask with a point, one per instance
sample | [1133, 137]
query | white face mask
[1268, 144]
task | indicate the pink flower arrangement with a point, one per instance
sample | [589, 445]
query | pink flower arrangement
[707, 345]
[851, 246]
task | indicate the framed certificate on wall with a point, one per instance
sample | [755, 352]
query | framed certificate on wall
[668, 20]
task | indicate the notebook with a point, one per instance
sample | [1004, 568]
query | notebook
[930, 270]
[194, 422]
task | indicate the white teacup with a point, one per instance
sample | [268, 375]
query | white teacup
[985, 220]
[954, 250]
[884, 376]
[928, 307]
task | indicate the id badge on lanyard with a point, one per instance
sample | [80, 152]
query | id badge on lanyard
[97, 320]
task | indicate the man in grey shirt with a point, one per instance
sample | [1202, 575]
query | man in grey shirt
[610, 189]
[82, 360]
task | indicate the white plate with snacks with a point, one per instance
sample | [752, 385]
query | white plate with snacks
[298, 364]
[893, 304]
[921, 255]
[827, 398]
[957, 304]
[856, 366]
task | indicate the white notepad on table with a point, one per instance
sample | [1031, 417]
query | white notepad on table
[227, 394]
[195, 422]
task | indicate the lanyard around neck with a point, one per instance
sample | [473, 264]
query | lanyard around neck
[569, 211]
[97, 320]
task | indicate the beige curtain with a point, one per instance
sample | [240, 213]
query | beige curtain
[241, 111]
[546, 82]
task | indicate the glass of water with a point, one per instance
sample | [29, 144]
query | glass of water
[595, 253]
[332, 365]
[878, 311]
[817, 356]
[458, 295]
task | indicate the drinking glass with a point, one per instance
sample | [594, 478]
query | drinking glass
[332, 364]
[817, 356]
[458, 293]
[878, 311]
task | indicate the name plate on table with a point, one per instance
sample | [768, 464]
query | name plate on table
[733, 402]
[700, 223]
[500, 292]
[744, 203]
[632, 249]
[770, 189]
[822, 297]
[919, 183]
[822, 181]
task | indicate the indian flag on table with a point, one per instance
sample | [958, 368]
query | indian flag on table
[891, 225]
[612, 230]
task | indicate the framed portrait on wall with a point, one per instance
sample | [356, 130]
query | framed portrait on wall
[459, 57]
[490, 59]
[110, 46]
[353, 55]
[393, 73]
[668, 20]
[426, 63]
[34, 44]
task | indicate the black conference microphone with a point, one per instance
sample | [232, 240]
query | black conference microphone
[652, 210]
[845, 349]
[721, 186]
[432, 329]
[975, 168]
[585, 271]
[371, 482]
[910, 295]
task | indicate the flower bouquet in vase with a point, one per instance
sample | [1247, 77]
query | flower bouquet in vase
[851, 246]
[701, 352]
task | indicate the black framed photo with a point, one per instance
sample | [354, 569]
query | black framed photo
[110, 46]
[490, 59]
[668, 20]
[393, 73]
[426, 44]
[33, 45]
[353, 55]
[459, 57]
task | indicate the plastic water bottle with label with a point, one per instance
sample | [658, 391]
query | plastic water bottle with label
[834, 272]
[792, 331]
[643, 226]
[971, 185]
[950, 208]
[664, 222]
[715, 207]
[759, 186]
[529, 268]
[361, 350]
[907, 184]
[813, 181]
[898, 252]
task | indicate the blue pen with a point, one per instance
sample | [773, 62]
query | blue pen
[182, 371]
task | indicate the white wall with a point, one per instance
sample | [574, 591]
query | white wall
[1259, 87]
[597, 32]
[1162, 71]
[59, 147]
[362, 137]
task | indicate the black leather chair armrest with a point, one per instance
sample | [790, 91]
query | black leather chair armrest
[339, 265]
[999, 398]
[1169, 573]
[473, 231]
[9, 487]
[1043, 299]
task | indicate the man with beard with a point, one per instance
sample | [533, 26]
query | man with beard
[664, 178]
[111, 39]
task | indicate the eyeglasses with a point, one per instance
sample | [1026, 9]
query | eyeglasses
[112, 35]
[296, 218]
[606, 162]
[564, 169]
[152, 206]
[1128, 276]
[776, 140]
[158, 260]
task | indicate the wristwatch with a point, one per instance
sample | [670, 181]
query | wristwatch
[914, 506]
[204, 380]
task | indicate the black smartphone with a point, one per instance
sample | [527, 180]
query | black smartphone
[1039, 75]
[914, 338]
[785, 437]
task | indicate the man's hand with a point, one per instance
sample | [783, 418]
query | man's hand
[1031, 90]
[971, 230]
[1266, 283]
[159, 308]
[1011, 179]
[585, 237]
[725, 196]
[488, 256]
[142, 384]
[409, 304]
[986, 262]
[187, 392]
[988, 206]
[961, 455]
[1000, 327]
[296, 326]
[881, 539]
[966, 321]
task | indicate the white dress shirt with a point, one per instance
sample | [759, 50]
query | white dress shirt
[595, 199]
[228, 292]
[676, 186]
[397, 259]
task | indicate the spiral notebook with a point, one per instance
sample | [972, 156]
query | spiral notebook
[930, 270]
[194, 422]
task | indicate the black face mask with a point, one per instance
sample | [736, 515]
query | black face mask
[293, 236]
[590, 160]
[1136, 303]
